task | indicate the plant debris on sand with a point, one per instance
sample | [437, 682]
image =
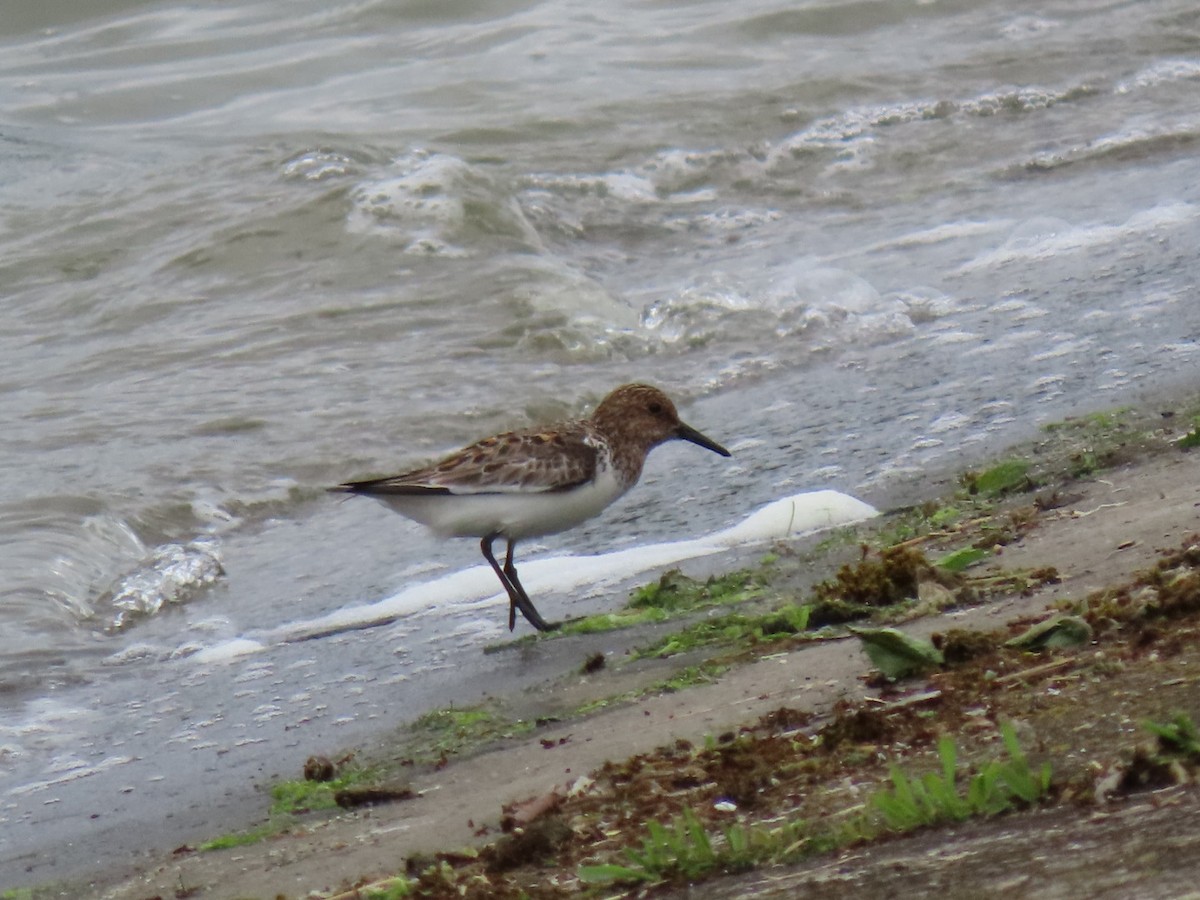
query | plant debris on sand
[790, 787]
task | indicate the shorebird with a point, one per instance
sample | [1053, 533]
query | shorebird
[535, 482]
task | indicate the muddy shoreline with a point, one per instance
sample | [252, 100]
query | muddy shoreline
[1112, 518]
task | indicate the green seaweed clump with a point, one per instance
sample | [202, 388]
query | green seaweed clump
[676, 591]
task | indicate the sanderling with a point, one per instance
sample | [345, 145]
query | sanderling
[531, 483]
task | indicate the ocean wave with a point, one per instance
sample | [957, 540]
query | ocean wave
[434, 204]
[1046, 237]
[852, 133]
[173, 574]
[827, 306]
[322, 165]
[1165, 71]
[1131, 143]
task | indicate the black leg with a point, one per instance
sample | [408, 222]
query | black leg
[510, 574]
[486, 546]
[523, 602]
[517, 598]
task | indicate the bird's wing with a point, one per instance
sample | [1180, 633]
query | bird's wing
[511, 463]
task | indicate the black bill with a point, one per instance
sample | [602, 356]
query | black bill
[688, 433]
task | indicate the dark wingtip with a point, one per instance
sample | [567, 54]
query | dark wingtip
[379, 486]
[350, 487]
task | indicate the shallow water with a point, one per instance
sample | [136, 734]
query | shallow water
[250, 251]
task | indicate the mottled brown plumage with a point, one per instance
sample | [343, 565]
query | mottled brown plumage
[513, 462]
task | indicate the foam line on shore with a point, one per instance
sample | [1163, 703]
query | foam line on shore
[793, 516]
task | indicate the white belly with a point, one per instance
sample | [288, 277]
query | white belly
[513, 515]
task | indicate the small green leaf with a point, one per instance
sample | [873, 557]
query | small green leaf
[896, 654]
[1060, 631]
[957, 560]
[607, 874]
[1000, 479]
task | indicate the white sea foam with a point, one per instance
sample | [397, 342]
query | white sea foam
[792, 516]
[1163, 71]
[624, 185]
[228, 650]
[69, 770]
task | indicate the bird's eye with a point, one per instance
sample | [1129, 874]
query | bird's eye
[655, 409]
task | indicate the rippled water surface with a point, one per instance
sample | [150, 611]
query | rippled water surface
[248, 250]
